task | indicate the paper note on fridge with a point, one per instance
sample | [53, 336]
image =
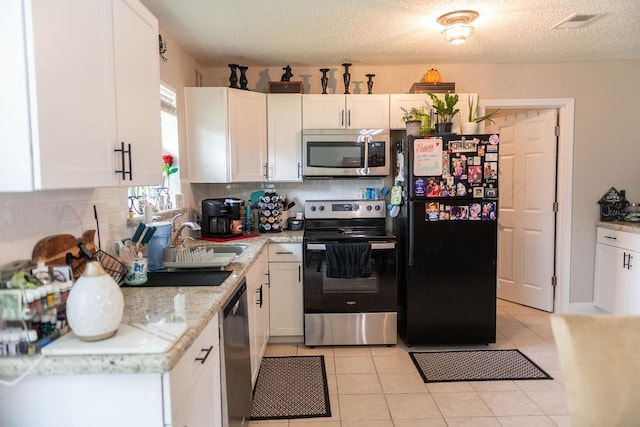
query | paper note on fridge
[427, 157]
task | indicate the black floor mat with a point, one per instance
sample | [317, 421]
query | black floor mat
[476, 365]
[291, 387]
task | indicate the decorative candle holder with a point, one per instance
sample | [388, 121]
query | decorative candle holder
[370, 83]
[346, 77]
[233, 78]
[324, 80]
[243, 77]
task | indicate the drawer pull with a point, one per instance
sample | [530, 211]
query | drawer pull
[204, 359]
[284, 253]
[611, 237]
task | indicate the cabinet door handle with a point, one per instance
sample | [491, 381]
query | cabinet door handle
[629, 262]
[341, 117]
[299, 274]
[348, 117]
[204, 359]
[299, 169]
[123, 168]
[266, 171]
[259, 291]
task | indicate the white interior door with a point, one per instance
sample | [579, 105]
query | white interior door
[526, 223]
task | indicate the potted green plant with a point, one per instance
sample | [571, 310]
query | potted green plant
[470, 127]
[416, 120]
[445, 110]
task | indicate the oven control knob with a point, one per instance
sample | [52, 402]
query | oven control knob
[313, 208]
[321, 208]
[377, 207]
[369, 207]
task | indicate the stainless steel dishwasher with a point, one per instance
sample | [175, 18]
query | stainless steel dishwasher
[237, 393]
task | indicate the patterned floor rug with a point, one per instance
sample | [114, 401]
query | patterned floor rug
[291, 387]
[476, 365]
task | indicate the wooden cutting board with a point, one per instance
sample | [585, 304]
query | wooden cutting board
[53, 250]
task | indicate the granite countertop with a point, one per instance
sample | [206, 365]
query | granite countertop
[151, 305]
[632, 227]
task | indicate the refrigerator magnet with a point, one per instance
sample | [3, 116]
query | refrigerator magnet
[488, 211]
[491, 193]
[490, 171]
[491, 157]
[475, 174]
[481, 150]
[459, 213]
[444, 215]
[475, 212]
[432, 210]
[494, 139]
[478, 192]
[491, 148]
[419, 187]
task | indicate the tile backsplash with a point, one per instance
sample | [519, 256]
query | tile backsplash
[25, 218]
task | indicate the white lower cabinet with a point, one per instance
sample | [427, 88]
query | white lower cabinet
[617, 272]
[188, 395]
[192, 390]
[286, 297]
[258, 311]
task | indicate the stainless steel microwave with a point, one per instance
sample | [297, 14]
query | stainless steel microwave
[346, 153]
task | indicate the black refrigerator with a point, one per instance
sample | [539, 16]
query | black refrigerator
[447, 239]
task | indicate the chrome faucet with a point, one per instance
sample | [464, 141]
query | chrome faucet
[175, 237]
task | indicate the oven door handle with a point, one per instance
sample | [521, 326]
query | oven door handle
[374, 246]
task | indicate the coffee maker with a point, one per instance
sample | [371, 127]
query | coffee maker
[221, 217]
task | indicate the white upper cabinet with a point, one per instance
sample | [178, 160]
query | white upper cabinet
[226, 134]
[398, 101]
[137, 83]
[58, 108]
[345, 111]
[284, 140]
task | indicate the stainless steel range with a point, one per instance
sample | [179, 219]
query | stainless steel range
[350, 288]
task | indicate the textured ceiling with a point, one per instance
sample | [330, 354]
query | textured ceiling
[379, 32]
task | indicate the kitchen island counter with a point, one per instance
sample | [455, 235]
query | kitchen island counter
[148, 305]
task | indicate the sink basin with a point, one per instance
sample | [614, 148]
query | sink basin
[191, 277]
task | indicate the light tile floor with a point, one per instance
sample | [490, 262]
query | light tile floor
[378, 386]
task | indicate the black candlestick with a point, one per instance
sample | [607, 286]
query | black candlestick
[370, 83]
[346, 78]
[243, 77]
[324, 80]
[233, 78]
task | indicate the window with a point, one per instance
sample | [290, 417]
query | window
[162, 197]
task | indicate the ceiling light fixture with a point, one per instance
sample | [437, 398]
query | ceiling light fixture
[457, 28]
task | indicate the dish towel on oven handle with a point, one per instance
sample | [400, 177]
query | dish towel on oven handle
[348, 260]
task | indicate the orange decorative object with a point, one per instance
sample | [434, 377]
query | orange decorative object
[432, 76]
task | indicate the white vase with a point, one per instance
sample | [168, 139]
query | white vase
[95, 304]
[469, 128]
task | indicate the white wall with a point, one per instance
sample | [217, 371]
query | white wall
[606, 150]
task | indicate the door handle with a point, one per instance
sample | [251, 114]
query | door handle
[204, 359]
[123, 168]
[411, 238]
[259, 291]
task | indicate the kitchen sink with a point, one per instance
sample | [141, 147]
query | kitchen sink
[186, 277]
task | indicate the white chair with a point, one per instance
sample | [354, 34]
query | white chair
[600, 359]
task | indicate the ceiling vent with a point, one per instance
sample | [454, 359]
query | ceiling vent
[575, 21]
